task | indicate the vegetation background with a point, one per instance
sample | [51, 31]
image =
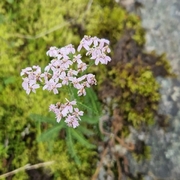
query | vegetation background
[29, 134]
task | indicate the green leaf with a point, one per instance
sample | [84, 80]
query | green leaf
[51, 133]
[88, 108]
[41, 118]
[90, 120]
[9, 80]
[70, 145]
[85, 131]
[93, 100]
[80, 138]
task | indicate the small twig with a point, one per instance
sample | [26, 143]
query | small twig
[130, 147]
[94, 177]
[89, 5]
[119, 169]
[27, 167]
[110, 144]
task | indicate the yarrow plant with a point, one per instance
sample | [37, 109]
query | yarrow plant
[67, 69]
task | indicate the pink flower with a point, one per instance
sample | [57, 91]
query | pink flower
[77, 58]
[80, 79]
[65, 63]
[67, 50]
[46, 76]
[91, 79]
[85, 43]
[97, 48]
[75, 81]
[82, 67]
[64, 78]
[52, 108]
[52, 52]
[26, 71]
[67, 111]
[78, 113]
[68, 107]
[72, 72]
[59, 116]
[33, 73]
[29, 85]
[103, 42]
[51, 85]
[106, 49]
[72, 121]
[82, 91]
[25, 84]
[102, 58]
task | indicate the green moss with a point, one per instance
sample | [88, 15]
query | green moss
[28, 30]
[21, 176]
[111, 21]
[64, 167]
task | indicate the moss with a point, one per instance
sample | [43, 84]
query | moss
[130, 83]
[112, 21]
[62, 169]
[28, 30]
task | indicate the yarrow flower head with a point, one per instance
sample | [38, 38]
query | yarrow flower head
[31, 79]
[68, 111]
[67, 69]
[97, 48]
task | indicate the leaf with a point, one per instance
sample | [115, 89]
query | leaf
[9, 80]
[85, 131]
[90, 120]
[70, 144]
[51, 133]
[90, 102]
[41, 118]
[88, 108]
[80, 138]
[93, 100]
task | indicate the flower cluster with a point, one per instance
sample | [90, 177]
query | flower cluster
[67, 68]
[97, 48]
[67, 111]
[32, 75]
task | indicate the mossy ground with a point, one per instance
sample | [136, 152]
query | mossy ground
[27, 29]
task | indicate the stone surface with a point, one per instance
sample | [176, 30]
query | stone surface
[161, 19]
